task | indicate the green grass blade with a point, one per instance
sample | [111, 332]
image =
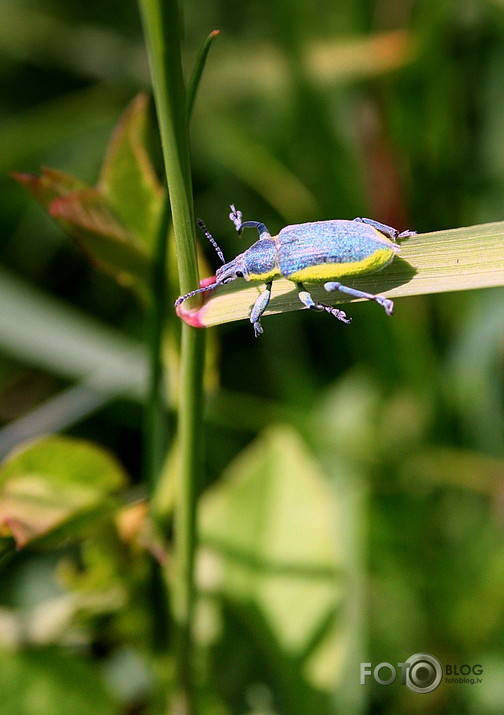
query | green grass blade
[198, 71]
[155, 418]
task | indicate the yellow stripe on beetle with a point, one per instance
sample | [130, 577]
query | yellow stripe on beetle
[378, 260]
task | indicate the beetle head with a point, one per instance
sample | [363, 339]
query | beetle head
[225, 274]
[234, 269]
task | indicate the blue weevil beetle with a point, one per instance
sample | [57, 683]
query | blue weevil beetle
[311, 252]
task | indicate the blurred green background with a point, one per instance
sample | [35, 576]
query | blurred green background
[387, 109]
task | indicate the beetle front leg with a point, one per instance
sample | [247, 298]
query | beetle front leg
[388, 231]
[386, 303]
[306, 299]
[258, 309]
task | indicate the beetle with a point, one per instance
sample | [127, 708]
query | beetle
[311, 252]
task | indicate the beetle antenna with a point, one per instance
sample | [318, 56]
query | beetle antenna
[212, 286]
[211, 239]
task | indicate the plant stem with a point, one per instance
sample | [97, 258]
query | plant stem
[190, 423]
[161, 23]
[162, 31]
[155, 422]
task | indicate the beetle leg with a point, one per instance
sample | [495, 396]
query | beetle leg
[307, 300]
[386, 303]
[258, 309]
[388, 231]
[236, 218]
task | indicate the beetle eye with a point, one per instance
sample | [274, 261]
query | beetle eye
[239, 274]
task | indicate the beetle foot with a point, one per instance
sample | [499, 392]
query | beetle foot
[258, 329]
[236, 217]
[338, 314]
[386, 303]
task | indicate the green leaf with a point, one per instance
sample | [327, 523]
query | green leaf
[115, 223]
[198, 71]
[54, 486]
[128, 180]
[451, 260]
[50, 185]
[37, 682]
[84, 214]
[106, 241]
[269, 528]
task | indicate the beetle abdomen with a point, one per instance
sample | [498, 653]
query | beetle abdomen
[329, 249]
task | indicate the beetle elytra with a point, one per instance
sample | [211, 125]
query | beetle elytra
[308, 252]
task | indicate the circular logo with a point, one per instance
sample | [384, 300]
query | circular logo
[424, 674]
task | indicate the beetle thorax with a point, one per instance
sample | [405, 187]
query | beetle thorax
[260, 260]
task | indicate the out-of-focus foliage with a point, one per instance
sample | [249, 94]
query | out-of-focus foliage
[114, 223]
[377, 446]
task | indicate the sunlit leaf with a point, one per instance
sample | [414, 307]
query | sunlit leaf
[54, 485]
[269, 531]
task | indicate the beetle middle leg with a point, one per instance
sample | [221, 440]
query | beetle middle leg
[258, 309]
[306, 299]
[386, 303]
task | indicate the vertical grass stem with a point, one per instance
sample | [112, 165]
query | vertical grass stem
[162, 31]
